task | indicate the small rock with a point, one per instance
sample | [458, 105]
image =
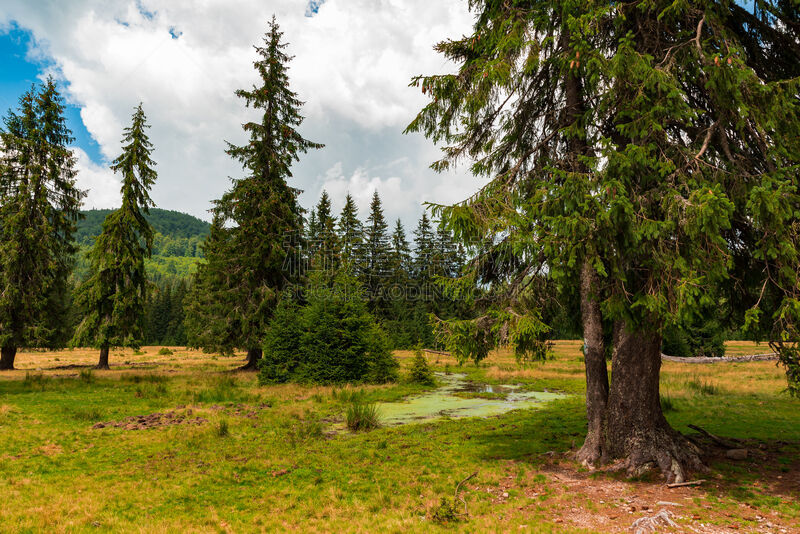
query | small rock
[505, 495]
[737, 454]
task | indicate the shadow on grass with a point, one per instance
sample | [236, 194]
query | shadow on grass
[768, 479]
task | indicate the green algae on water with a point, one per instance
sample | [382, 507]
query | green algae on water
[458, 398]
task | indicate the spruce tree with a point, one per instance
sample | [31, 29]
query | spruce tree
[312, 233]
[207, 321]
[424, 251]
[259, 221]
[376, 249]
[398, 316]
[400, 255]
[646, 152]
[350, 231]
[446, 262]
[39, 208]
[327, 240]
[113, 297]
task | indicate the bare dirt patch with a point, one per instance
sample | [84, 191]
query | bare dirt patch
[154, 420]
[604, 502]
[240, 410]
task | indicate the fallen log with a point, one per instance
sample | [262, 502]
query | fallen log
[436, 352]
[704, 359]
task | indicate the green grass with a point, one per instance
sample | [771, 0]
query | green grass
[284, 449]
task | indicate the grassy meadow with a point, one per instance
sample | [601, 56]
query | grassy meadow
[194, 447]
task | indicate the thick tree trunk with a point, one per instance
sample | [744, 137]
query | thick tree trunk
[637, 431]
[7, 355]
[594, 447]
[253, 356]
[103, 363]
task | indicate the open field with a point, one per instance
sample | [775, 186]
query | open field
[226, 455]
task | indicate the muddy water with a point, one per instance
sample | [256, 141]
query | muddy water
[457, 397]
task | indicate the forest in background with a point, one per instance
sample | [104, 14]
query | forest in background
[177, 248]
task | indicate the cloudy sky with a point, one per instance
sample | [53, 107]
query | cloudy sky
[183, 61]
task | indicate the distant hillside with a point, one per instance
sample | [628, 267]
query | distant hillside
[165, 222]
[176, 244]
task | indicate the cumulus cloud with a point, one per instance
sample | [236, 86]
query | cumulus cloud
[99, 182]
[353, 61]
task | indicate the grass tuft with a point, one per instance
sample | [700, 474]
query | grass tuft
[86, 375]
[304, 431]
[668, 404]
[362, 416]
[149, 378]
[35, 381]
[702, 387]
[221, 429]
[150, 391]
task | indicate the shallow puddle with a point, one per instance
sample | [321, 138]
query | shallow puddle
[457, 397]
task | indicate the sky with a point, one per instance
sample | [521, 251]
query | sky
[184, 60]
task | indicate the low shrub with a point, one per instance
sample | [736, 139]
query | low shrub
[445, 513]
[165, 351]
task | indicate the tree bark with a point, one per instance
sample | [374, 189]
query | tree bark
[7, 356]
[103, 363]
[637, 430]
[253, 357]
[594, 447]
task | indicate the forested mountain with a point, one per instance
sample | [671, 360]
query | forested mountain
[174, 228]
[176, 242]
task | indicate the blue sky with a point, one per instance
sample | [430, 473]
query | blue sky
[17, 74]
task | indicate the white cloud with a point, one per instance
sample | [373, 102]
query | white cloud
[353, 62]
[102, 186]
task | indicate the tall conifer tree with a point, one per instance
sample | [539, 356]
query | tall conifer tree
[260, 221]
[424, 250]
[114, 296]
[327, 240]
[376, 247]
[645, 151]
[39, 205]
[400, 255]
[350, 231]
